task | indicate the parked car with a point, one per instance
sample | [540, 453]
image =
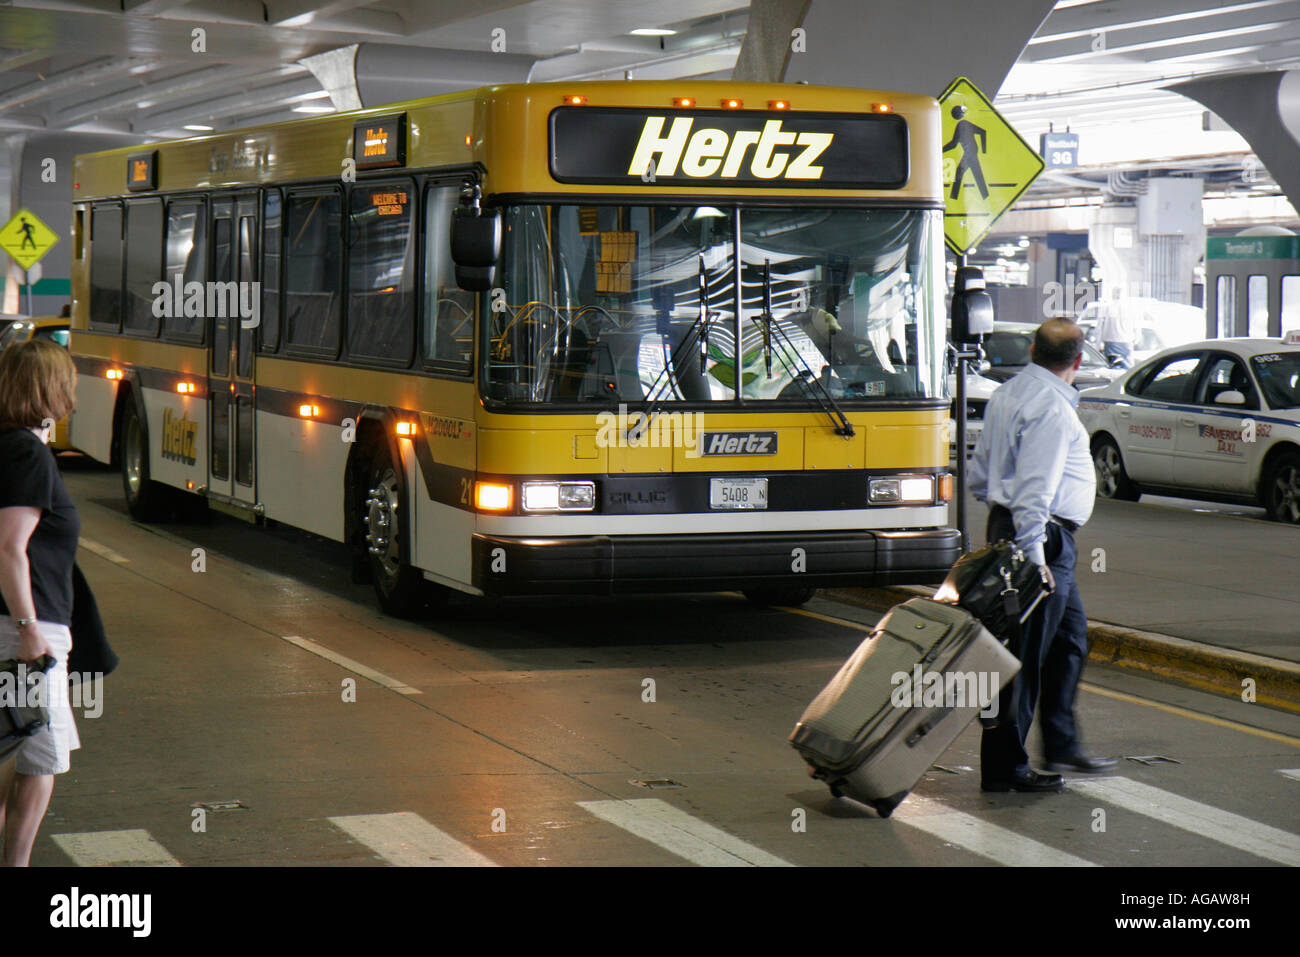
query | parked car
[1007, 351]
[1217, 420]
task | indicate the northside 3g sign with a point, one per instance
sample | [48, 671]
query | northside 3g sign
[616, 146]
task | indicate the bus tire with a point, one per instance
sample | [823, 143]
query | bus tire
[790, 596]
[399, 587]
[146, 500]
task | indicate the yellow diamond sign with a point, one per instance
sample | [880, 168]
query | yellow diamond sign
[986, 165]
[26, 238]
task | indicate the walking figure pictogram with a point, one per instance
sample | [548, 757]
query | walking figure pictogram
[26, 230]
[963, 135]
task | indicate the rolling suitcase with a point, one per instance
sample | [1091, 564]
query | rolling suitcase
[875, 729]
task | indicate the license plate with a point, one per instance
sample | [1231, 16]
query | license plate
[738, 493]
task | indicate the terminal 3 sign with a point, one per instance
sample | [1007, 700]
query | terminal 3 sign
[728, 148]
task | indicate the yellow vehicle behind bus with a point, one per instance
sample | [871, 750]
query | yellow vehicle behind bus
[538, 339]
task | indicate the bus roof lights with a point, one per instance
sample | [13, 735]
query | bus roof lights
[575, 99]
[731, 103]
[683, 102]
[881, 108]
[491, 497]
[778, 104]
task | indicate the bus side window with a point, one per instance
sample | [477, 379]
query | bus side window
[186, 253]
[106, 267]
[312, 280]
[381, 272]
[448, 310]
[271, 272]
[144, 224]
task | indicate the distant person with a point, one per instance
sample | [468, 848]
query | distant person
[1032, 466]
[38, 544]
[1117, 331]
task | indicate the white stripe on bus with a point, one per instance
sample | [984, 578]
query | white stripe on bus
[134, 848]
[981, 837]
[405, 839]
[1262, 840]
[678, 833]
[356, 667]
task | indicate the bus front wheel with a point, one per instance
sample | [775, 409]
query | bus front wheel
[146, 499]
[399, 587]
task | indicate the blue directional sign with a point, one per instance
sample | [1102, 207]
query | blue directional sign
[1059, 150]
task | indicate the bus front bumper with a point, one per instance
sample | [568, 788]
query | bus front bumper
[632, 564]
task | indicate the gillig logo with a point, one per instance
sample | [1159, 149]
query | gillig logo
[179, 438]
[714, 152]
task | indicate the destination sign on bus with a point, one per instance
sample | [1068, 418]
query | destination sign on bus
[728, 147]
[389, 202]
[380, 141]
[141, 170]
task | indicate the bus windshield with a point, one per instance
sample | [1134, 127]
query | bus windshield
[603, 304]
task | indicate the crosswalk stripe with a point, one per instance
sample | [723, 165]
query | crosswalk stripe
[103, 551]
[356, 667]
[405, 839]
[677, 832]
[1225, 827]
[1292, 773]
[133, 848]
[981, 837]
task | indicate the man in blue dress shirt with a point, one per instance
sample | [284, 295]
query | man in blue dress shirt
[1033, 468]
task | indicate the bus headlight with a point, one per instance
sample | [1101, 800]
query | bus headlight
[559, 496]
[904, 490]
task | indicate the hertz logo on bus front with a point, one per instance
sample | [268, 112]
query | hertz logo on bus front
[713, 152]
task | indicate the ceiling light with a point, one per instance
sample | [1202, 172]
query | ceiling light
[652, 32]
[313, 109]
[197, 128]
[318, 95]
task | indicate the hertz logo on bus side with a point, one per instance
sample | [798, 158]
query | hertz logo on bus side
[179, 438]
[713, 152]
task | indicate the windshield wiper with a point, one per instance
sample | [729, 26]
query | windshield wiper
[806, 377]
[698, 331]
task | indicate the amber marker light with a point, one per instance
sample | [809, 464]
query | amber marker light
[469, 139]
[113, 374]
[575, 99]
[731, 103]
[189, 484]
[491, 497]
[945, 487]
[881, 108]
[778, 104]
[308, 411]
[405, 429]
[185, 388]
[683, 101]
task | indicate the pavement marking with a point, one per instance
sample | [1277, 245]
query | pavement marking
[103, 551]
[1292, 773]
[980, 837]
[677, 832]
[1262, 840]
[405, 839]
[856, 625]
[1194, 715]
[378, 677]
[134, 848]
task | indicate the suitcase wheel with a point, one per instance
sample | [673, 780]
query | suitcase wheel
[835, 791]
[885, 806]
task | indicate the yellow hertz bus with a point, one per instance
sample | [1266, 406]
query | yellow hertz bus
[538, 339]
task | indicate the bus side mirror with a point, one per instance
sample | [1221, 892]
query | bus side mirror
[475, 247]
[972, 306]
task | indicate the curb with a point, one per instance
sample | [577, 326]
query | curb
[1182, 661]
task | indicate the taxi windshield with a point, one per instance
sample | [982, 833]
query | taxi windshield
[1279, 378]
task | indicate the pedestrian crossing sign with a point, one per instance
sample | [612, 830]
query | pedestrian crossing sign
[26, 238]
[986, 165]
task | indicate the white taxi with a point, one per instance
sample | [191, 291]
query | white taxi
[1217, 420]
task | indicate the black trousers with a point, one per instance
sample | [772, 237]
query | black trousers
[1053, 649]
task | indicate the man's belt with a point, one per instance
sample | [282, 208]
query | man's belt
[1065, 523]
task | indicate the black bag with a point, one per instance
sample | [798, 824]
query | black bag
[999, 585]
[90, 649]
[19, 718]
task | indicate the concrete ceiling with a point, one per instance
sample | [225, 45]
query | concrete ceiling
[133, 67]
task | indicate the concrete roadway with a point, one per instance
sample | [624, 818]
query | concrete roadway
[511, 733]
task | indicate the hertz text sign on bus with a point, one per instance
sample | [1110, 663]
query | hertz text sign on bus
[728, 148]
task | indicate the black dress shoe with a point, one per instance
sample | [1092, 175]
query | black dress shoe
[1026, 781]
[1081, 764]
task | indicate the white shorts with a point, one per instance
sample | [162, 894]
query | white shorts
[48, 750]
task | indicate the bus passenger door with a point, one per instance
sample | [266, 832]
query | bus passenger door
[231, 471]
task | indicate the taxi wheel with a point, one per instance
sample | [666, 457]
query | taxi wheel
[1282, 489]
[1112, 481]
[779, 596]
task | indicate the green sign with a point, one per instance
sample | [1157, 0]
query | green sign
[1253, 247]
